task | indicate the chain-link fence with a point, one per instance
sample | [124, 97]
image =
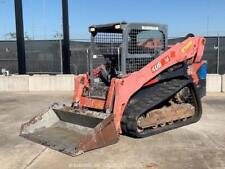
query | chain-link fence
[45, 56]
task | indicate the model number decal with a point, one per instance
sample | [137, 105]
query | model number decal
[156, 67]
[161, 63]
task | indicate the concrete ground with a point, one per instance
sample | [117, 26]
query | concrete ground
[197, 146]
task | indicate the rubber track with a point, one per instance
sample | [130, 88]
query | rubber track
[147, 99]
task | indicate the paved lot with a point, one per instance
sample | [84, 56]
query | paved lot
[198, 146]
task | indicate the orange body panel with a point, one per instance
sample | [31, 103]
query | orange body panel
[111, 94]
[80, 82]
[92, 103]
[151, 82]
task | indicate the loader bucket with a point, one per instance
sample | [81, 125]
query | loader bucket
[71, 132]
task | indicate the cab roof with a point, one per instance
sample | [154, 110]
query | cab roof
[118, 27]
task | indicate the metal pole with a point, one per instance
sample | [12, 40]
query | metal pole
[61, 56]
[32, 21]
[66, 40]
[32, 17]
[207, 26]
[4, 36]
[43, 19]
[218, 54]
[20, 37]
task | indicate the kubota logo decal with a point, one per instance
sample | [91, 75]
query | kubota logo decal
[186, 47]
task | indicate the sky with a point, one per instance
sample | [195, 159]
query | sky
[42, 18]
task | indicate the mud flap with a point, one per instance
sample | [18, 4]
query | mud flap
[71, 132]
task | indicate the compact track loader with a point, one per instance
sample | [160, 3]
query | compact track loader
[136, 85]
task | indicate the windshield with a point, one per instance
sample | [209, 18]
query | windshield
[145, 41]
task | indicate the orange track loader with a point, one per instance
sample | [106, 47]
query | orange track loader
[136, 85]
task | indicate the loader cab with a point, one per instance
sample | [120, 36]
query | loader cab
[123, 48]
